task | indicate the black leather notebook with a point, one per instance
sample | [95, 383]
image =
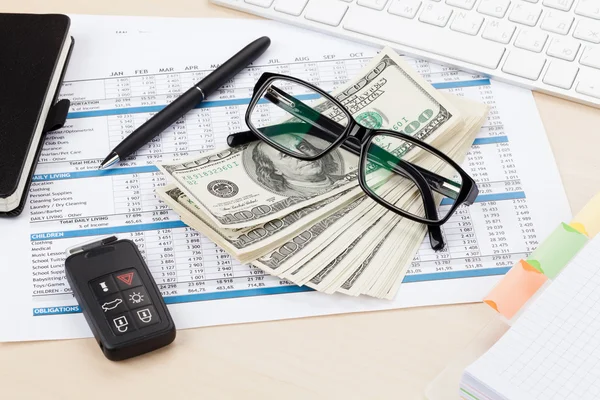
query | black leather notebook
[34, 52]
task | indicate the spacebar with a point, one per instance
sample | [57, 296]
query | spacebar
[420, 36]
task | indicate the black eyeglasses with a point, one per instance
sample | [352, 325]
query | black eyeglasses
[392, 164]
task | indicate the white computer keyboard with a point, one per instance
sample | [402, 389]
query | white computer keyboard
[547, 45]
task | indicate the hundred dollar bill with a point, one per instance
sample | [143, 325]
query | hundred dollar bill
[381, 274]
[389, 94]
[274, 261]
[249, 244]
[349, 283]
[359, 246]
[254, 183]
[332, 280]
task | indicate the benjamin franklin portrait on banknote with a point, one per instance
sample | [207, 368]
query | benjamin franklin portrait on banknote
[289, 176]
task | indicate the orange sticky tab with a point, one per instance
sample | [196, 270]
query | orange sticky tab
[513, 291]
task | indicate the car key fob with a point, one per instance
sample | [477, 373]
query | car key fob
[119, 298]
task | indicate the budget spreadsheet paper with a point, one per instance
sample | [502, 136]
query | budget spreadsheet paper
[552, 352]
[123, 69]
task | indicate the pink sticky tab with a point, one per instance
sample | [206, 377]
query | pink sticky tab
[513, 291]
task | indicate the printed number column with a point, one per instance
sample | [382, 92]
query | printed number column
[155, 209]
[333, 74]
[190, 261]
[127, 194]
[200, 130]
[173, 140]
[218, 266]
[462, 242]
[160, 252]
[118, 94]
[119, 127]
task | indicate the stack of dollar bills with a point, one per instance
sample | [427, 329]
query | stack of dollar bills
[323, 233]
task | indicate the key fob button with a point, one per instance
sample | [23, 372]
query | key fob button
[121, 324]
[127, 279]
[137, 297]
[104, 286]
[113, 304]
[145, 316]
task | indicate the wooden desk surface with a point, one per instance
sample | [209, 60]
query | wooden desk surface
[383, 355]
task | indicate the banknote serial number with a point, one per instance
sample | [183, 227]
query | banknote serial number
[193, 178]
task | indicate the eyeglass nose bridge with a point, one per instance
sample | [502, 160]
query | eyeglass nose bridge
[358, 133]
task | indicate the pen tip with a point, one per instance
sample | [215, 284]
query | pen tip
[109, 161]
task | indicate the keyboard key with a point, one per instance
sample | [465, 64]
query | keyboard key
[560, 74]
[494, 8]
[532, 40]
[563, 48]
[591, 57]
[435, 14]
[526, 14]
[328, 12]
[414, 34]
[564, 5]
[589, 83]
[464, 4]
[260, 3]
[374, 4]
[498, 31]
[292, 7]
[468, 23]
[588, 8]
[524, 64]
[557, 22]
[405, 8]
[588, 30]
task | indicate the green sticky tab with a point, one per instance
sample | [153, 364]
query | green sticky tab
[557, 250]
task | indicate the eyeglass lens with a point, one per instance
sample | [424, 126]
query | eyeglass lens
[297, 111]
[389, 157]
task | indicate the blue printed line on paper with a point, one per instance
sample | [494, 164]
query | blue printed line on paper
[459, 84]
[107, 230]
[151, 109]
[56, 310]
[239, 102]
[94, 173]
[188, 298]
[490, 197]
[490, 140]
[470, 273]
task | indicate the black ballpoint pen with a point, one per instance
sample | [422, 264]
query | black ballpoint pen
[187, 101]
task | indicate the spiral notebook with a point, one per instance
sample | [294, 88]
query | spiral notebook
[552, 350]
